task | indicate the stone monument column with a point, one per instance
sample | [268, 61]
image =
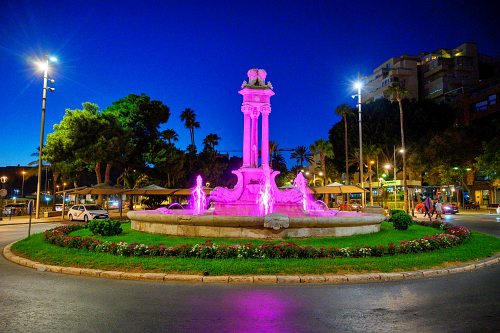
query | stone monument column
[256, 100]
[265, 110]
[246, 134]
[254, 142]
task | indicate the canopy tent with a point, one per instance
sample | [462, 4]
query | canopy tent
[337, 188]
[150, 190]
[98, 189]
[158, 190]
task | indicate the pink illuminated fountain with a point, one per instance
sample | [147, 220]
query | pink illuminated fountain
[198, 196]
[255, 207]
[248, 190]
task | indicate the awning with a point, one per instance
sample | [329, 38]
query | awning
[337, 188]
[100, 189]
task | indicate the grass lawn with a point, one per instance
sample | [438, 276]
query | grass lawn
[479, 246]
[388, 234]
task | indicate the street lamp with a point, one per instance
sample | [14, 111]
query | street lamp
[45, 67]
[370, 175]
[22, 188]
[3, 193]
[358, 85]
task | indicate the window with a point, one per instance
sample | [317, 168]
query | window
[481, 106]
[492, 99]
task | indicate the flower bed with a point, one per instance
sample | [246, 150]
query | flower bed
[452, 236]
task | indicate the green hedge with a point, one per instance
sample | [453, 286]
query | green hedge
[105, 227]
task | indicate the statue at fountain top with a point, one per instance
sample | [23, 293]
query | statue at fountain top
[257, 79]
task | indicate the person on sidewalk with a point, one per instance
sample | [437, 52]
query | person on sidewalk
[428, 207]
[438, 207]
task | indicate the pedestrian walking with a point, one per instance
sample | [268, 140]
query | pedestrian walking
[438, 207]
[428, 207]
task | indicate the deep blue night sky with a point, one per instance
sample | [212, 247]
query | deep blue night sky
[196, 54]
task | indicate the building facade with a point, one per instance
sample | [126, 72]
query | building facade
[448, 71]
[433, 75]
[402, 70]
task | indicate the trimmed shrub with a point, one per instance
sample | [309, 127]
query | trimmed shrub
[396, 211]
[401, 220]
[105, 227]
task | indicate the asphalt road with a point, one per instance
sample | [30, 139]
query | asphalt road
[32, 301]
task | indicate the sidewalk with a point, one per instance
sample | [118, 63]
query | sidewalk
[7, 220]
[25, 220]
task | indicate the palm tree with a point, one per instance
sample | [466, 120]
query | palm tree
[371, 153]
[274, 151]
[325, 150]
[344, 110]
[398, 93]
[211, 140]
[301, 154]
[169, 135]
[189, 118]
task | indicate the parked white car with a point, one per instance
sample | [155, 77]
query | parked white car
[87, 213]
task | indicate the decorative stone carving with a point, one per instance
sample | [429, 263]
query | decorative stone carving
[276, 221]
[223, 194]
[257, 79]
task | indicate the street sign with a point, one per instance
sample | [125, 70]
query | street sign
[30, 207]
[3, 193]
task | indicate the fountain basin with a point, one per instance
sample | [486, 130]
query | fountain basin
[210, 225]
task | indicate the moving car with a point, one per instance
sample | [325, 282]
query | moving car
[87, 213]
[450, 208]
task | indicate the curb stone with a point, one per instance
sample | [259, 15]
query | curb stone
[248, 279]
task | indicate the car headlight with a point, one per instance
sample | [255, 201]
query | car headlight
[93, 214]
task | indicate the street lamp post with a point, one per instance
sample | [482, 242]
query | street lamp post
[395, 181]
[45, 66]
[3, 193]
[22, 187]
[358, 85]
[370, 175]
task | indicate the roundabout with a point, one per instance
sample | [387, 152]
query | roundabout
[410, 304]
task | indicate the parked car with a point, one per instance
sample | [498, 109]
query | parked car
[448, 208]
[15, 209]
[87, 213]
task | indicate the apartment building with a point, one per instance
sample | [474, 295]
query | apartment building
[448, 71]
[401, 70]
[430, 75]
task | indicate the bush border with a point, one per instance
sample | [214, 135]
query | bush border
[452, 236]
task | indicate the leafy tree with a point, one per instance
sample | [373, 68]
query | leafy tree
[489, 160]
[85, 139]
[189, 118]
[141, 118]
